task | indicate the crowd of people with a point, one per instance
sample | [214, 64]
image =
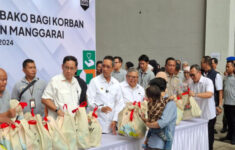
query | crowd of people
[113, 87]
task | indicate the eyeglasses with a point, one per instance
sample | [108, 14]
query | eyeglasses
[192, 75]
[132, 77]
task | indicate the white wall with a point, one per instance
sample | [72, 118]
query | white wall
[220, 23]
[163, 28]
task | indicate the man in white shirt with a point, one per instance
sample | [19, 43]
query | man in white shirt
[202, 89]
[63, 89]
[132, 91]
[104, 92]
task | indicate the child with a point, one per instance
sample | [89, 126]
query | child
[156, 105]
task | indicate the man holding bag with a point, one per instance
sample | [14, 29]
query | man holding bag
[63, 89]
[104, 91]
[202, 89]
[30, 88]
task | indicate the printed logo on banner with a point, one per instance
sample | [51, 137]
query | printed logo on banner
[89, 64]
[88, 59]
[84, 4]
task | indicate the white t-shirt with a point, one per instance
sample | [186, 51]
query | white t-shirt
[207, 105]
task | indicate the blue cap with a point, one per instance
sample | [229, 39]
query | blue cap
[231, 58]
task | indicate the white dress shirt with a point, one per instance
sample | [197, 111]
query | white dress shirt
[207, 105]
[102, 93]
[132, 94]
[218, 81]
[61, 92]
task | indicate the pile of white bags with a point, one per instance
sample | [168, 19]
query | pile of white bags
[32, 132]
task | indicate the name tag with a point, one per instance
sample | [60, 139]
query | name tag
[32, 103]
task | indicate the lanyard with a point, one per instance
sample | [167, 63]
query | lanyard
[31, 90]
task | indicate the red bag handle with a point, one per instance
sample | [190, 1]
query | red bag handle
[185, 93]
[132, 115]
[17, 121]
[83, 104]
[4, 125]
[93, 113]
[23, 104]
[32, 112]
[32, 122]
[65, 106]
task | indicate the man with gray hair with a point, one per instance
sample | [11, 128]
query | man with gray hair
[203, 91]
[131, 90]
[184, 64]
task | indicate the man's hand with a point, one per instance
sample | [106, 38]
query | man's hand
[113, 127]
[11, 113]
[191, 93]
[218, 110]
[60, 113]
[6, 120]
[106, 109]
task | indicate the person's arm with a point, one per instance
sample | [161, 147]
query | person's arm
[6, 120]
[208, 93]
[219, 88]
[15, 93]
[119, 104]
[11, 113]
[48, 99]
[201, 95]
[221, 98]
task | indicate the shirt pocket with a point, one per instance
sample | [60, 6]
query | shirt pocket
[64, 95]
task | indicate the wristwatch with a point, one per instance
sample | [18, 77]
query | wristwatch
[220, 107]
[56, 109]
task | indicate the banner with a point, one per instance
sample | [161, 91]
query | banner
[46, 31]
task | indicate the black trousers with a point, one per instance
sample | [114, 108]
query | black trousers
[211, 126]
[225, 123]
[229, 111]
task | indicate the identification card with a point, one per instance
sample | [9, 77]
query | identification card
[32, 103]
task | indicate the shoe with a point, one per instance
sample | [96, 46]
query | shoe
[223, 130]
[215, 132]
[225, 139]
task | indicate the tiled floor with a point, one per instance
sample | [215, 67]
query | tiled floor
[218, 145]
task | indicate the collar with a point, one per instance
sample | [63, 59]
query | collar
[127, 85]
[26, 81]
[117, 71]
[174, 76]
[105, 81]
[64, 79]
[144, 72]
[201, 79]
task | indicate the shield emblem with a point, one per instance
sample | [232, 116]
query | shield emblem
[84, 4]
